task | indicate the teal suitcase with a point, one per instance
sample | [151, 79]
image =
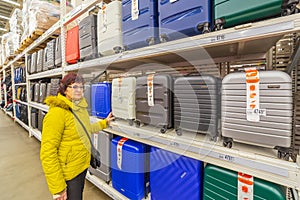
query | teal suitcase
[228, 13]
[220, 183]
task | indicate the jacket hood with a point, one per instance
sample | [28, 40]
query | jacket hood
[62, 102]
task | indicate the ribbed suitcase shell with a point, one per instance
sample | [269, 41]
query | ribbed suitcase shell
[41, 116]
[139, 33]
[29, 63]
[57, 54]
[40, 60]
[49, 55]
[33, 63]
[43, 89]
[123, 98]
[48, 89]
[36, 92]
[102, 142]
[101, 99]
[72, 45]
[174, 176]
[110, 29]
[221, 183]
[54, 86]
[183, 18]
[274, 129]
[161, 114]
[235, 12]
[34, 118]
[197, 104]
[88, 38]
[131, 179]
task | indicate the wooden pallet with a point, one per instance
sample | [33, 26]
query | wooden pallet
[30, 39]
[9, 58]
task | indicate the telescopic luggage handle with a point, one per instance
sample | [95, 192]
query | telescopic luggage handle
[295, 57]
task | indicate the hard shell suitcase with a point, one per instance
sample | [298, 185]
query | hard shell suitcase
[41, 116]
[139, 23]
[34, 118]
[29, 56]
[102, 142]
[154, 97]
[40, 60]
[57, 53]
[87, 96]
[174, 176]
[36, 92]
[48, 89]
[49, 55]
[72, 45]
[197, 104]
[220, 182]
[33, 63]
[88, 38]
[109, 27]
[182, 18]
[101, 99]
[235, 12]
[269, 122]
[123, 98]
[130, 168]
[54, 86]
[43, 90]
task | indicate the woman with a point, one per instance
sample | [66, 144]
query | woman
[65, 147]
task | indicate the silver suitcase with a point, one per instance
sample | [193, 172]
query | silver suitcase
[102, 142]
[110, 28]
[36, 92]
[123, 98]
[268, 122]
[40, 60]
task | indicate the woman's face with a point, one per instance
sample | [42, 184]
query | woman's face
[74, 91]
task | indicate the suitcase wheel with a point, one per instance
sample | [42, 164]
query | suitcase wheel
[151, 41]
[219, 24]
[163, 38]
[178, 132]
[138, 124]
[203, 28]
[130, 121]
[163, 129]
[227, 142]
[290, 8]
[117, 49]
[283, 154]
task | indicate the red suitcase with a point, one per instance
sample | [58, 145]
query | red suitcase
[72, 45]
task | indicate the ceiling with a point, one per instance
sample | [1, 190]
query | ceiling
[6, 10]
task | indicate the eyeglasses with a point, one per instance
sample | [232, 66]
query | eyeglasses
[76, 87]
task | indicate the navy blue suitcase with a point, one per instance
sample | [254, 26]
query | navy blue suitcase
[173, 176]
[183, 18]
[101, 99]
[142, 31]
[130, 168]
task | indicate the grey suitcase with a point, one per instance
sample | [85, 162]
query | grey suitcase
[54, 86]
[88, 38]
[41, 115]
[49, 55]
[36, 92]
[33, 63]
[29, 63]
[270, 124]
[197, 105]
[43, 89]
[102, 142]
[40, 60]
[48, 89]
[155, 109]
[34, 118]
[57, 53]
[87, 96]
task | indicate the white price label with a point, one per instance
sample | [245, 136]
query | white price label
[135, 10]
[245, 186]
[119, 152]
[150, 90]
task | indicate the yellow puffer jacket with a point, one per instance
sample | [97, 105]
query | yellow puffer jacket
[65, 148]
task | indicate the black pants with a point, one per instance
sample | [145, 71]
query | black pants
[75, 187]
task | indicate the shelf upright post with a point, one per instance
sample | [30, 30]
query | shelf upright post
[13, 89]
[28, 95]
[63, 35]
[4, 86]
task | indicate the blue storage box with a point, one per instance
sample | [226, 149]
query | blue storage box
[183, 18]
[142, 30]
[130, 168]
[174, 176]
[101, 99]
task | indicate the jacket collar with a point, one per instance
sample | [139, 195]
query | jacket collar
[63, 102]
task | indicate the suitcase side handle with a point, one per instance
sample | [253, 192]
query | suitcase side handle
[295, 57]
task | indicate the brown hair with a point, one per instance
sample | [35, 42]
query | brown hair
[69, 79]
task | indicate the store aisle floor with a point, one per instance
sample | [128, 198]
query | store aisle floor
[21, 174]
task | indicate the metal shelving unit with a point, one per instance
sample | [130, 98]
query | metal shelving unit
[240, 43]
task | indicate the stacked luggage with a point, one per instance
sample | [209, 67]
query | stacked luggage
[49, 55]
[72, 45]
[101, 99]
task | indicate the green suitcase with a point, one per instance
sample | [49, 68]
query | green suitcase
[220, 183]
[228, 13]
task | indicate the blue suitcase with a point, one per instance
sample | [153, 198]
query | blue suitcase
[183, 18]
[142, 31]
[101, 99]
[130, 168]
[173, 176]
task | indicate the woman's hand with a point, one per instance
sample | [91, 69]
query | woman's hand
[61, 196]
[109, 118]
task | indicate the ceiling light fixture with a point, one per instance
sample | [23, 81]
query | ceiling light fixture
[3, 17]
[3, 29]
[11, 2]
